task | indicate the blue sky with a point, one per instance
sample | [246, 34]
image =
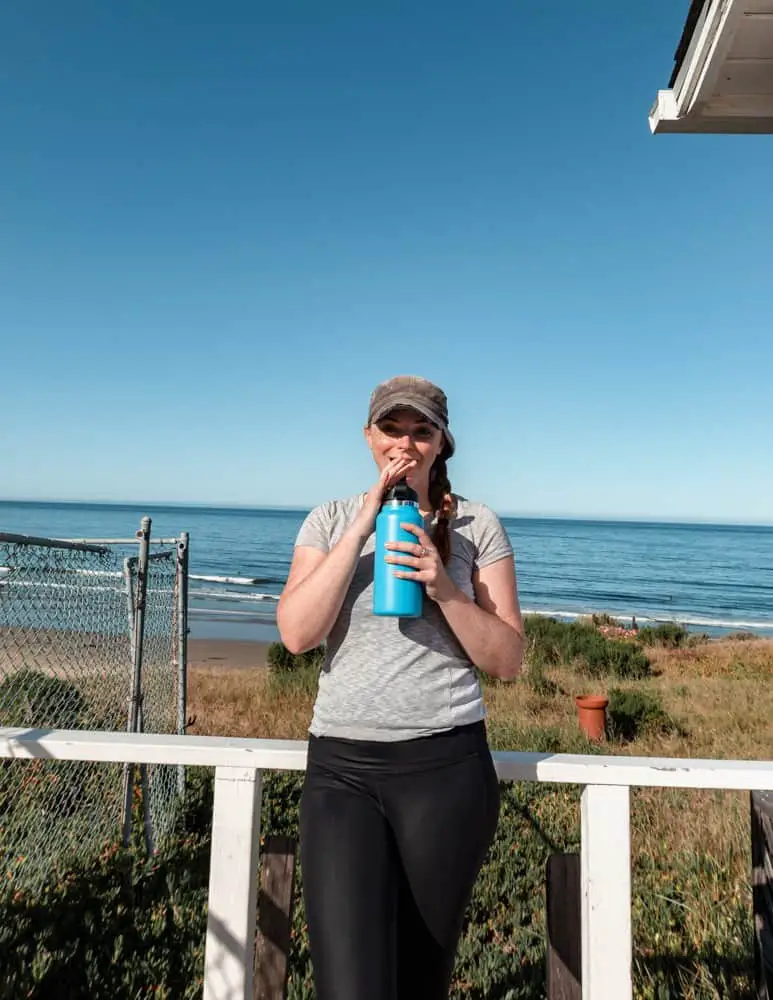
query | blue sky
[221, 225]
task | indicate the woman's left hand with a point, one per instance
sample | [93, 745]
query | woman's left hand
[425, 562]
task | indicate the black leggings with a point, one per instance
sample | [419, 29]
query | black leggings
[393, 836]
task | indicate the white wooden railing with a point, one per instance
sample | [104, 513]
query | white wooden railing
[605, 853]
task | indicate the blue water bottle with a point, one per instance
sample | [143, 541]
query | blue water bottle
[393, 596]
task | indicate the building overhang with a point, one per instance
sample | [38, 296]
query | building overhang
[723, 74]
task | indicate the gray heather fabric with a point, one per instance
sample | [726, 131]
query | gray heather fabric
[395, 679]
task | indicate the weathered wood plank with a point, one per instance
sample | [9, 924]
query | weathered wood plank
[762, 891]
[275, 918]
[564, 913]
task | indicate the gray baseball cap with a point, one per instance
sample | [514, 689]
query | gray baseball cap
[417, 393]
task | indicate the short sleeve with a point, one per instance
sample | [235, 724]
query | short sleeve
[315, 530]
[491, 540]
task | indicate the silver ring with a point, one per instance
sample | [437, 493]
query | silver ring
[424, 552]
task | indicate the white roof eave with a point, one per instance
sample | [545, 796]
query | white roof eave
[691, 105]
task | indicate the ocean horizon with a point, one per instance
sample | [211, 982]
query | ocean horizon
[305, 508]
[709, 576]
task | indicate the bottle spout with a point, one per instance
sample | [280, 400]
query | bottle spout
[402, 491]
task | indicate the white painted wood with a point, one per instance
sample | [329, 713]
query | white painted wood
[658, 772]
[745, 77]
[605, 873]
[745, 118]
[154, 748]
[744, 110]
[757, 7]
[664, 111]
[725, 84]
[290, 755]
[233, 885]
[716, 56]
[711, 41]
[754, 38]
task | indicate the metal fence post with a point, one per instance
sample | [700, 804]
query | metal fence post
[138, 631]
[183, 555]
[128, 769]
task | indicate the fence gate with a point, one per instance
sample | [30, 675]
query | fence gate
[92, 636]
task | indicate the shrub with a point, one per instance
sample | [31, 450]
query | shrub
[122, 925]
[32, 698]
[35, 791]
[620, 659]
[632, 713]
[281, 660]
[543, 640]
[602, 618]
[741, 636]
[670, 635]
[550, 642]
[294, 672]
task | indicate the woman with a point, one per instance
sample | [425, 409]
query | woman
[400, 801]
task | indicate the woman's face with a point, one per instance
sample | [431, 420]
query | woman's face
[405, 433]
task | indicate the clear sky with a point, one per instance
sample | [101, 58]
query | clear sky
[222, 224]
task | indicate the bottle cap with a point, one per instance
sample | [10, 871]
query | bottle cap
[401, 491]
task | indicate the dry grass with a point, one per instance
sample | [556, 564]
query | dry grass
[721, 693]
[735, 660]
[241, 702]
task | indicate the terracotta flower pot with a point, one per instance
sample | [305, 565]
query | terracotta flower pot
[592, 712]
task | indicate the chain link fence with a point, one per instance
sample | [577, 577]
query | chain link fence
[90, 638]
[162, 691]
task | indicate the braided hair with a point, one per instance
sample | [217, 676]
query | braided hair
[443, 505]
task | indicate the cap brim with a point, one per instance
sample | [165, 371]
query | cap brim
[411, 403]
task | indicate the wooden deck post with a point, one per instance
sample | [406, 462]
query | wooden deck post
[275, 918]
[762, 891]
[564, 938]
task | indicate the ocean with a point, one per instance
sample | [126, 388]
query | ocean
[715, 578]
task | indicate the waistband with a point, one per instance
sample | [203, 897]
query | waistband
[436, 749]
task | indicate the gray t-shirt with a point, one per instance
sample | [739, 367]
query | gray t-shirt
[399, 678]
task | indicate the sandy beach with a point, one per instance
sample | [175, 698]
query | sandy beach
[231, 654]
[82, 657]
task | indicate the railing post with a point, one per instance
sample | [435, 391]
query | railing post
[605, 868]
[233, 885]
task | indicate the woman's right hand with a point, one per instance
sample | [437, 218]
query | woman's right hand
[392, 473]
